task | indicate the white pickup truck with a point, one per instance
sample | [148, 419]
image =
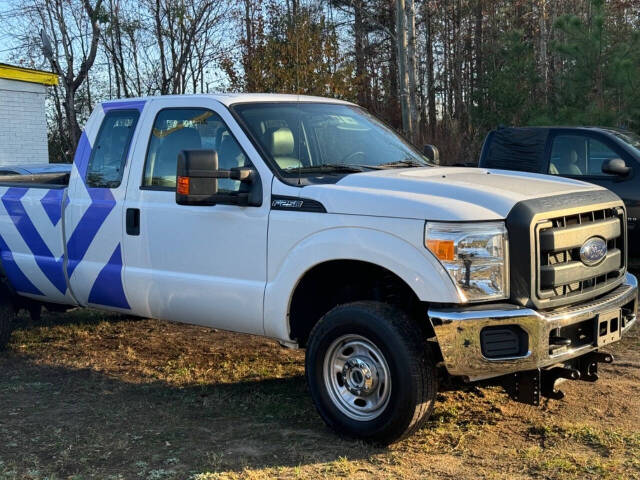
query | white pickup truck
[309, 221]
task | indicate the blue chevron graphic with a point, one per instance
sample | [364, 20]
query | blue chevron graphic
[51, 203]
[18, 279]
[51, 266]
[108, 288]
[102, 202]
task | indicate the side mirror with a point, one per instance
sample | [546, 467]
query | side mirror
[616, 166]
[432, 153]
[197, 181]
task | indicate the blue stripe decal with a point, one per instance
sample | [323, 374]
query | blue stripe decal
[16, 277]
[108, 288]
[52, 267]
[52, 203]
[81, 158]
[102, 202]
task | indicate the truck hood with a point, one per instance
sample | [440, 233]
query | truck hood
[442, 193]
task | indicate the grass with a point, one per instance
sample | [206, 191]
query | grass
[89, 395]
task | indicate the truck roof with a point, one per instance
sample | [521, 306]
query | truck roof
[566, 127]
[232, 98]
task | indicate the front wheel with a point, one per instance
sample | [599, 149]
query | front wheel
[369, 372]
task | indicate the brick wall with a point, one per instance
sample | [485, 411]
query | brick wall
[23, 123]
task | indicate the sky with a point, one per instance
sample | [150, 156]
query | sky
[5, 38]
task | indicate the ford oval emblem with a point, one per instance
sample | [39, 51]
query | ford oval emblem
[593, 251]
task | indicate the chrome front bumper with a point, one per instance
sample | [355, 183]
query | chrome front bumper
[458, 332]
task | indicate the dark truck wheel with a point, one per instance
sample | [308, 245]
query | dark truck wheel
[7, 315]
[369, 372]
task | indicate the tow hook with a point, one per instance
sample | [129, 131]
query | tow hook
[530, 385]
[588, 365]
[550, 377]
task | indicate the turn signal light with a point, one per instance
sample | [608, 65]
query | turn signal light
[183, 185]
[443, 249]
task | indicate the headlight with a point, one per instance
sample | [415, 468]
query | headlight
[475, 256]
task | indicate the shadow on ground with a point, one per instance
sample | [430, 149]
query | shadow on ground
[70, 421]
[95, 395]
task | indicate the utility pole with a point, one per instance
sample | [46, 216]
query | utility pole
[403, 84]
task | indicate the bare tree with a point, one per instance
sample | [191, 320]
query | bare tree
[55, 17]
[188, 37]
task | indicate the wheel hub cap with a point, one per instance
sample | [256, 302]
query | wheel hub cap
[359, 377]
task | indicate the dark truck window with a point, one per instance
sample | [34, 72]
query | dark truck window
[110, 150]
[177, 129]
[579, 155]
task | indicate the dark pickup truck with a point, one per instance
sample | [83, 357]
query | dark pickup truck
[605, 156]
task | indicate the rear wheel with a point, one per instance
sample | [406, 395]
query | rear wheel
[369, 372]
[7, 315]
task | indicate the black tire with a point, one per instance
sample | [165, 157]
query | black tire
[411, 370]
[7, 315]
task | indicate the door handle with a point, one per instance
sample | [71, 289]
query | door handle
[133, 221]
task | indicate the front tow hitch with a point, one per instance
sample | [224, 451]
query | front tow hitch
[530, 385]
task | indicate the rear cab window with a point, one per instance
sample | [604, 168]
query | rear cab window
[109, 154]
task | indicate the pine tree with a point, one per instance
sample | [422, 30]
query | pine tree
[601, 70]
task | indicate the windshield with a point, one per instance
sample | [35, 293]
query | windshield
[630, 138]
[306, 139]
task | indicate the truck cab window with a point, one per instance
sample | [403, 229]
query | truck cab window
[598, 153]
[177, 129]
[109, 153]
[579, 155]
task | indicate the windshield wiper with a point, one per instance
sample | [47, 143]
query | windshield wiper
[327, 168]
[402, 163]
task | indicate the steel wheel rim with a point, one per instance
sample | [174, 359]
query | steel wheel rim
[357, 378]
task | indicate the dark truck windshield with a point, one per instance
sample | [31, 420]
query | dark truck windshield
[315, 139]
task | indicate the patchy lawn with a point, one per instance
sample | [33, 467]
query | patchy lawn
[94, 395]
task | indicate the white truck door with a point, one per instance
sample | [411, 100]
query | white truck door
[93, 216]
[195, 264]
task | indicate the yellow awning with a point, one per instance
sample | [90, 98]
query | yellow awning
[11, 72]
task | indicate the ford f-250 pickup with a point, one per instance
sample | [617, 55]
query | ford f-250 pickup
[307, 220]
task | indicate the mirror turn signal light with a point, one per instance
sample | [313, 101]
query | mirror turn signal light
[443, 249]
[183, 185]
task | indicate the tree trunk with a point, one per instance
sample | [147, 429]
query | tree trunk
[544, 62]
[248, 57]
[359, 34]
[478, 50]
[411, 66]
[431, 88]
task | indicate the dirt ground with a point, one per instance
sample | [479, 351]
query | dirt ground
[93, 395]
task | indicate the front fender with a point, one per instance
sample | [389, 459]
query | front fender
[414, 264]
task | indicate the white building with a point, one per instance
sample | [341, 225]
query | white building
[23, 123]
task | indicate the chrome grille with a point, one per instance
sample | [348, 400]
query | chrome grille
[560, 272]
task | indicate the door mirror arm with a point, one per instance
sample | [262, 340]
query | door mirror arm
[242, 174]
[197, 178]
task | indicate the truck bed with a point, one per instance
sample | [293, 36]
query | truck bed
[31, 235]
[37, 180]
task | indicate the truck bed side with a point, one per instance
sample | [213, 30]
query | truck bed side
[31, 240]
